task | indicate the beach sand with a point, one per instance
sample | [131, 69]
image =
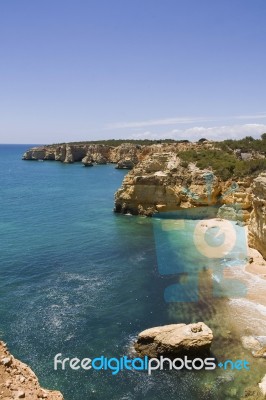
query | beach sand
[248, 312]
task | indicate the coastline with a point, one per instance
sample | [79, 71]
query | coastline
[18, 381]
[210, 311]
[253, 275]
[249, 312]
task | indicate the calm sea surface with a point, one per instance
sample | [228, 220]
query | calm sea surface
[77, 279]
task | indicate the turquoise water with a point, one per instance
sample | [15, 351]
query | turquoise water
[77, 279]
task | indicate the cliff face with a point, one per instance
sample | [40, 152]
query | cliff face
[18, 381]
[257, 227]
[127, 154]
[161, 182]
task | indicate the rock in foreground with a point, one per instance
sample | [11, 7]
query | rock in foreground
[262, 386]
[175, 340]
[18, 381]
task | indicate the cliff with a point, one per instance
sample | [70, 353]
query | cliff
[18, 381]
[163, 182]
[257, 226]
[126, 155]
[184, 175]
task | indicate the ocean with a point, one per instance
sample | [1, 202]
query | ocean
[77, 279]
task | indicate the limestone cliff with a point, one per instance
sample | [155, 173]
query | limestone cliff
[257, 226]
[162, 182]
[18, 381]
[126, 155]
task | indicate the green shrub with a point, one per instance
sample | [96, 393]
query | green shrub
[224, 164]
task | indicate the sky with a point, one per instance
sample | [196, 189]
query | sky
[75, 70]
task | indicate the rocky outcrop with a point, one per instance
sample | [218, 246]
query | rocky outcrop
[18, 381]
[162, 182]
[98, 153]
[127, 155]
[257, 226]
[127, 163]
[175, 340]
[74, 153]
[255, 344]
[37, 153]
[59, 153]
[262, 386]
[87, 161]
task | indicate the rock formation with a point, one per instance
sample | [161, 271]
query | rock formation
[255, 344]
[129, 153]
[87, 161]
[127, 163]
[161, 182]
[126, 155]
[18, 381]
[257, 226]
[262, 386]
[175, 340]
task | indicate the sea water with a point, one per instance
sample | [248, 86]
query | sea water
[77, 279]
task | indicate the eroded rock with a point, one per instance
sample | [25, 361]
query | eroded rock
[257, 226]
[175, 340]
[18, 381]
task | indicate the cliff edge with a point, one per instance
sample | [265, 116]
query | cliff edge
[163, 182]
[182, 175]
[18, 381]
[257, 226]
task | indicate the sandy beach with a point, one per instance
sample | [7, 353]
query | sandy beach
[248, 312]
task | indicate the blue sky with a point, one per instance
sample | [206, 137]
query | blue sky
[82, 69]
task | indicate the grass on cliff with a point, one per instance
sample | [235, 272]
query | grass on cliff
[245, 145]
[224, 164]
[118, 142]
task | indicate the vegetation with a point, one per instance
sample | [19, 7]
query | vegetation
[245, 145]
[223, 163]
[224, 157]
[118, 142]
[202, 140]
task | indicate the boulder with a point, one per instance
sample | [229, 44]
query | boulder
[255, 344]
[175, 340]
